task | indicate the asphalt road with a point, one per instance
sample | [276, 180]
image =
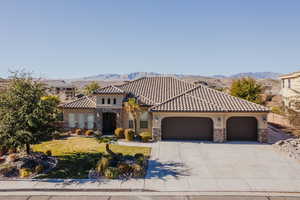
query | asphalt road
[146, 198]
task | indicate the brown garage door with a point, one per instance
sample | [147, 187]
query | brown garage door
[187, 128]
[242, 128]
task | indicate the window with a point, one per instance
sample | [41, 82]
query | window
[144, 120]
[130, 123]
[81, 120]
[90, 120]
[289, 83]
[103, 101]
[115, 101]
[71, 120]
[108, 101]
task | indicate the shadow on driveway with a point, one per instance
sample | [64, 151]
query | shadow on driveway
[161, 170]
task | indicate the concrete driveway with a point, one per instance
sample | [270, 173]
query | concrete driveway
[196, 166]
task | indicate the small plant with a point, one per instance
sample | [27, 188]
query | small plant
[124, 168]
[39, 168]
[89, 132]
[129, 134]
[112, 173]
[102, 165]
[48, 153]
[138, 171]
[25, 172]
[56, 135]
[119, 133]
[145, 136]
[78, 131]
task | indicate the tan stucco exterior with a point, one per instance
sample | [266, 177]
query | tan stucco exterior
[290, 90]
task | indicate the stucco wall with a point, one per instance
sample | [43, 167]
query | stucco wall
[219, 120]
[118, 105]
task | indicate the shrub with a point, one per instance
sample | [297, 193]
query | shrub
[39, 168]
[119, 133]
[48, 153]
[124, 168]
[145, 136]
[3, 150]
[25, 172]
[89, 132]
[112, 173]
[138, 171]
[129, 134]
[56, 135]
[12, 157]
[78, 131]
[102, 165]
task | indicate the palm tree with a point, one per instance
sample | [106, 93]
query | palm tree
[131, 106]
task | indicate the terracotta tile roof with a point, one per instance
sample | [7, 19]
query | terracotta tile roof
[169, 94]
[84, 102]
[155, 90]
[204, 99]
[109, 90]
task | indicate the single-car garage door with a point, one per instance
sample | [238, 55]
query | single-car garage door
[187, 128]
[242, 128]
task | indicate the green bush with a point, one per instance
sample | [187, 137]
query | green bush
[129, 134]
[138, 171]
[119, 133]
[124, 168]
[277, 110]
[112, 173]
[102, 165]
[39, 168]
[145, 136]
[89, 132]
[25, 172]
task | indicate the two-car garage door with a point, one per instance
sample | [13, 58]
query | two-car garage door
[201, 128]
[187, 128]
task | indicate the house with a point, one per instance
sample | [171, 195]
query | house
[290, 90]
[65, 91]
[172, 109]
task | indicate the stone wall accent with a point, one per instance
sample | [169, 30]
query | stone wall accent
[219, 135]
[156, 134]
[263, 135]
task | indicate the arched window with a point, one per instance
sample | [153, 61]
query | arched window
[144, 120]
[108, 101]
[103, 101]
[115, 101]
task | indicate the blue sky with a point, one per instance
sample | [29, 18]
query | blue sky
[71, 38]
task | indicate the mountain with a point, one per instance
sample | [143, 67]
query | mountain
[257, 75]
[136, 75]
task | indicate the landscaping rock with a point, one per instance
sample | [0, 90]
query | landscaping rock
[290, 146]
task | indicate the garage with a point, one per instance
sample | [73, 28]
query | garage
[242, 129]
[187, 128]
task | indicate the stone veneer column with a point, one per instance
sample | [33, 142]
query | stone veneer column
[99, 120]
[156, 134]
[263, 135]
[219, 135]
[119, 119]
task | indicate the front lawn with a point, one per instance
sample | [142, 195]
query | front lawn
[77, 155]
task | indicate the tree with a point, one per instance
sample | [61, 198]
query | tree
[247, 88]
[131, 106]
[27, 114]
[91, 88]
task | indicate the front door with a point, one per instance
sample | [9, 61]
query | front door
[109, 123]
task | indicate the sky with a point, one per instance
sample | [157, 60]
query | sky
[72, 38]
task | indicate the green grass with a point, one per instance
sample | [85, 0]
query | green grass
[77, 155]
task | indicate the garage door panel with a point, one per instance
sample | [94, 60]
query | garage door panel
[187, 128]
[242, 129]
